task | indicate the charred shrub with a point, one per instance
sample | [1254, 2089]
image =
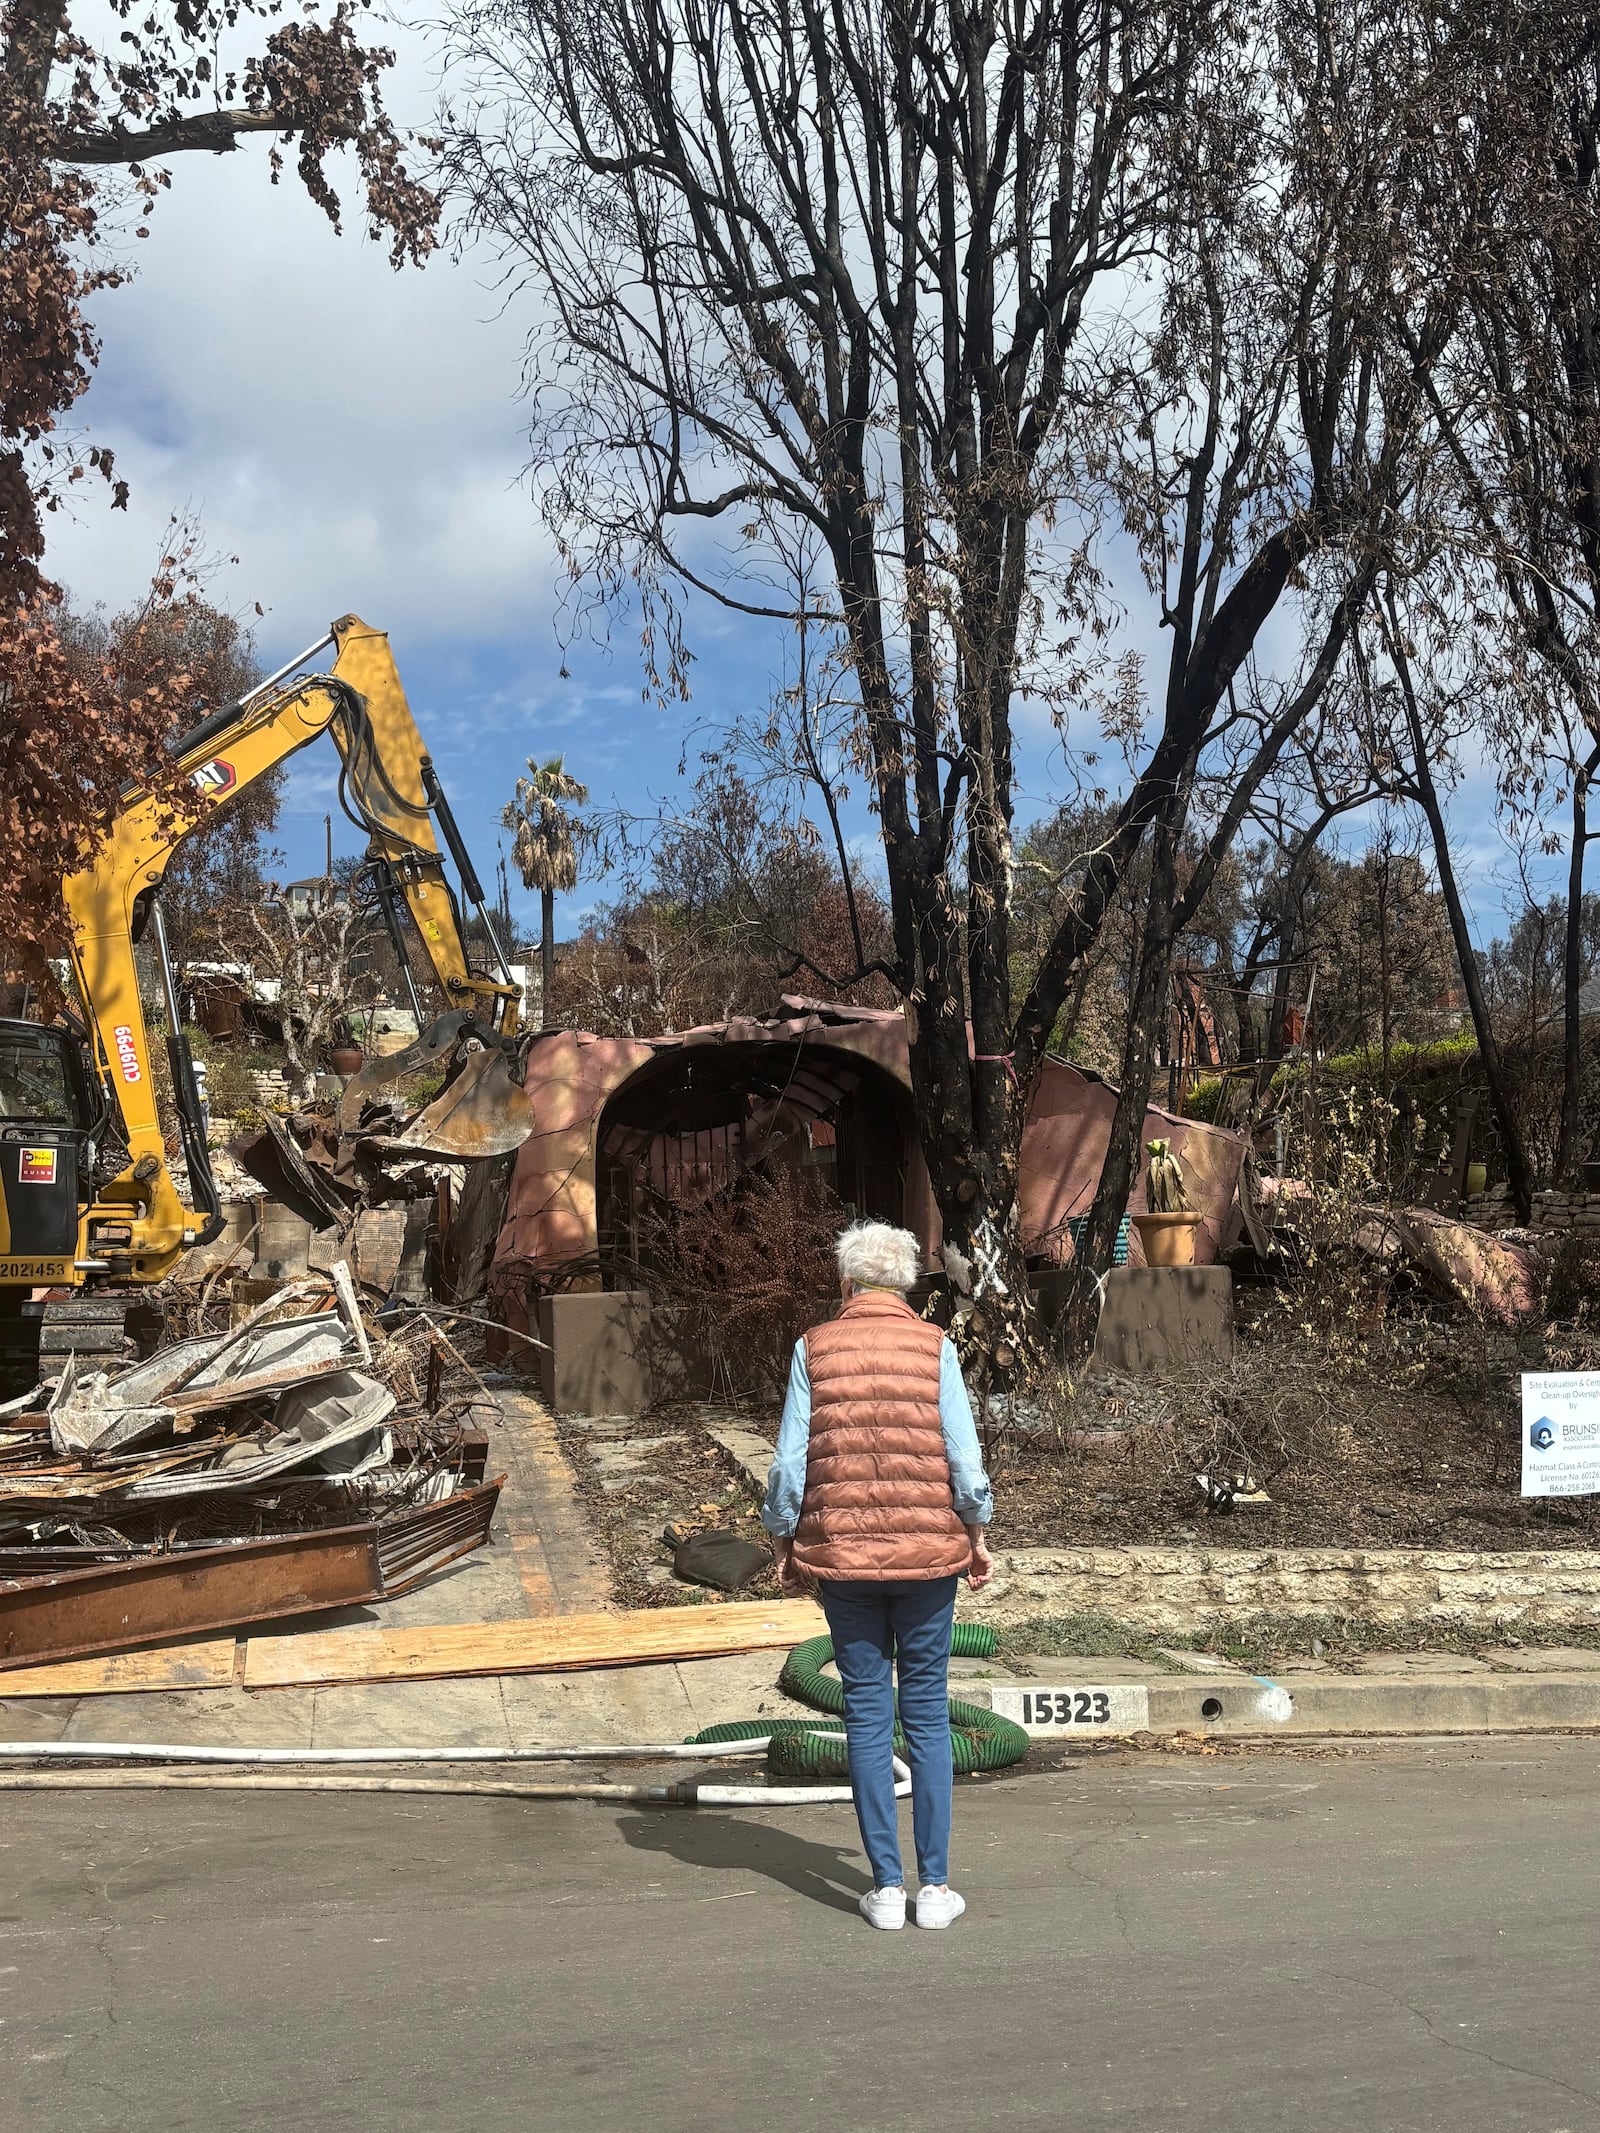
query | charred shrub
[735, 1279]
[1572, 1282]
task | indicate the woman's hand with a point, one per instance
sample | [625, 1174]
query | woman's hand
[981, 1568]
[791, 1579]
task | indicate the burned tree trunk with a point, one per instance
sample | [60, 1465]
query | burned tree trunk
[1572, 977]
[853, 284]
[1502, 1099]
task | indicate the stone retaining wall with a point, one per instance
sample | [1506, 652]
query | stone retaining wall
[1551, 1210]
[1566, 1210]
[1173, 1588]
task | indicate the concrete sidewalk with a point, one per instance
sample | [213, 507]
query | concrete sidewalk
[544, 1563]
[662, 1703]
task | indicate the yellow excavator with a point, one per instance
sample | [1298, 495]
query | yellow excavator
[87, 1200]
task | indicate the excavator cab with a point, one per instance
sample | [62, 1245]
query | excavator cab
[48, 1120]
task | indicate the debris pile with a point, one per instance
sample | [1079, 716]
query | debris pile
[328, 1159]
[1454, 1261]
[298, 1460]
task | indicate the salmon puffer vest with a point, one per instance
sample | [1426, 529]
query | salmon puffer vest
[877, 1502]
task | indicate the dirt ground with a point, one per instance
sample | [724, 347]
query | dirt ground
[640, 1474]
[1425, 1483]
[1421, 1473]
[1408, 1437]
[1410, 1440]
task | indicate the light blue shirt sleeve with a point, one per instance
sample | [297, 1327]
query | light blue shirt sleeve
[786, 1483]
[969, 1484]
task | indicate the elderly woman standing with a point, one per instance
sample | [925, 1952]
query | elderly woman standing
[878, 1495]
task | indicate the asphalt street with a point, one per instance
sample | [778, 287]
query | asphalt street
[1395, 1941]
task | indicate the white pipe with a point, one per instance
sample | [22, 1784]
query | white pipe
[178, 1752]
[117, 1780]
[141, 1751]
[791, 1795]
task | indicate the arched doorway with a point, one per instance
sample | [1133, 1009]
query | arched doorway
[695, 1121]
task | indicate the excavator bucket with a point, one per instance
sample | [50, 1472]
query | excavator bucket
[437, 1042]
[482, 1113]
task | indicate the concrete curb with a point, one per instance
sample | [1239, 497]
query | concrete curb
[656, 1703]
[1256, 1705]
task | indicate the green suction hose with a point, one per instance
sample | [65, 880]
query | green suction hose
[978, 1739]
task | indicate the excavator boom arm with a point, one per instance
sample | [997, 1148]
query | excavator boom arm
[389, 785]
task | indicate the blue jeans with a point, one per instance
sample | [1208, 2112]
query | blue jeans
[874, 1626]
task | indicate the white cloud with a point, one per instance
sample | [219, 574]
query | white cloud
[351, 433]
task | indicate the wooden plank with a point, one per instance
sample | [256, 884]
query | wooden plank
[571, 1642]
[173, 1666]
[556, 1645]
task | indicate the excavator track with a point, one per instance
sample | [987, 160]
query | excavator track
[101, 1330]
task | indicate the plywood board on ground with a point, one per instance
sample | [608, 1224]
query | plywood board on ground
[554, 1645]
[174, 1666]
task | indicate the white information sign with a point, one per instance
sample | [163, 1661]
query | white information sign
[1561, 1433]
[1123, 1709]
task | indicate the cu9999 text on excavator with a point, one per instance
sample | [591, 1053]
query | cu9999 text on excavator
[87, 1199]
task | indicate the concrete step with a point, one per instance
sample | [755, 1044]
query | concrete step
[753, 1453]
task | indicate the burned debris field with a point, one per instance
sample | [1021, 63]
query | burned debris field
[1358, 1465]
[301, 1459]
[1363, 1431]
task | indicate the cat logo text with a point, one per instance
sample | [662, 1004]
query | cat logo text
[214, 778]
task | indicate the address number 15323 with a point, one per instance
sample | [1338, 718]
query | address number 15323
[1124, 1708]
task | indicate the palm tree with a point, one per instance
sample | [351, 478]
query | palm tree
[545, 848]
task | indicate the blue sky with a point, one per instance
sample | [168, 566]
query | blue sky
[354, 438]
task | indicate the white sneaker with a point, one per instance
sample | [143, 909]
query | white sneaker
[939, 1907]
[886, 1909]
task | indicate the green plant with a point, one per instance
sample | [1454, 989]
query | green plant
[231, 1088]
[1165, 1190]
[1434, 1075]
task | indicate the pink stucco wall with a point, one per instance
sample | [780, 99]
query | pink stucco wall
[551, 1215]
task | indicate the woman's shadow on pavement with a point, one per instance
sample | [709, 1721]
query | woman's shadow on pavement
[826, 1873]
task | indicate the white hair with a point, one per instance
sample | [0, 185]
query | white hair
[876, 1255]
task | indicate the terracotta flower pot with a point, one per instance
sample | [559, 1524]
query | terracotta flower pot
[1168, 1240]
[347, 1059]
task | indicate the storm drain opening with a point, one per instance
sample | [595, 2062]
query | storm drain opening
[1212, 1707]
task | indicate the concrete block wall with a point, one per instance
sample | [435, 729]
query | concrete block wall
[271, 1085]
[1155, 1318]
[1567, 1211]
[594, 1360]
[599, 1356]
